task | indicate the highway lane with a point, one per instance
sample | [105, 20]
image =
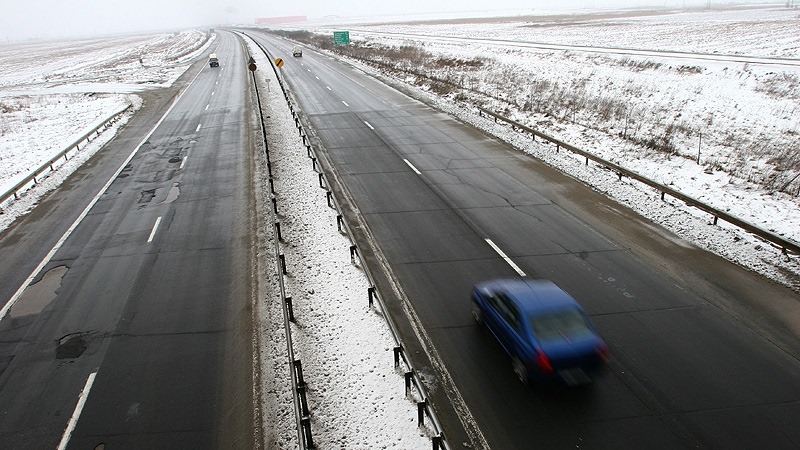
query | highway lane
[701, 356]
[147, 305]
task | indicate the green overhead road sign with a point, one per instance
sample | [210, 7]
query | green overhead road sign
[341, 37]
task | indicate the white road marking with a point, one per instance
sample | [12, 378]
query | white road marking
[503, 255]
[370, 126]
[329, 88]
[316, 77]
[207, 106]
[183, 163]
[198, 127]
[212, 93]
[345, 103]
[155, 228]
[412, 166]
[88, 208]
[73, 421]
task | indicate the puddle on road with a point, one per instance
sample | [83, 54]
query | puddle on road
[38, 295]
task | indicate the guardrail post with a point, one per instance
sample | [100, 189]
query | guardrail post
[397, 350]
[306, 423]
[275, 205]
[290, 309]
[321, 176]
[371, 295]
[339, 222]
[353, 253]
[421, 412]
[436, 441]
[282, 258]
[278, 230]
[408, 376]
[328, 198]
[298, 370]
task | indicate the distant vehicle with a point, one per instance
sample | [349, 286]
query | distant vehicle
[212, 60]
[297, 51]
[545, 331]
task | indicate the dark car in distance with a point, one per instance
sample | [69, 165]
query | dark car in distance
[545, 331]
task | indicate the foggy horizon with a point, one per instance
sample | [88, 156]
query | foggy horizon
[52, 19]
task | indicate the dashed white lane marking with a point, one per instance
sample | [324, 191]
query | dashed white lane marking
[155, 228]
[73, 421]
[412, 167]
[503, 255]
[183, 163]
[345, 103]
[198, 127]
[207, 106]
[329, 88]
[370, 126]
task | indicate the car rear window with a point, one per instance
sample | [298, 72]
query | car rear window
[562, 325]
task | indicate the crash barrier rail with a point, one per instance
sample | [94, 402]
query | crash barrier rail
[411, 377]
[783, 244]
[49, 166]
[300, 402]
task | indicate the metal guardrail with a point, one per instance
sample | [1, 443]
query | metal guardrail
[411, 376]
[302, 413]
[784, 244]
[49, 165]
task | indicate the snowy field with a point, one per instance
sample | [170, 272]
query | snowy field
[740, 118]
[53, 92]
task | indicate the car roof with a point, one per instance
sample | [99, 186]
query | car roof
[531, 295]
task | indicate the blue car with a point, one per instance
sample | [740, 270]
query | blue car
[545, 331]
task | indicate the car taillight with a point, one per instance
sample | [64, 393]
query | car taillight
[602, 351]
[543, 362]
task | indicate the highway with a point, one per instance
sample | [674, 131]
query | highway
[704, 355]
[136, 331]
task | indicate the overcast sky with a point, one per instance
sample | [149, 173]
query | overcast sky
[44, 19]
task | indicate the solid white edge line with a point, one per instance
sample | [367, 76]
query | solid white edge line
[155, 228]
[412, 167]
[370, 126]
[503, 255]
[73, 421]
[88, 208]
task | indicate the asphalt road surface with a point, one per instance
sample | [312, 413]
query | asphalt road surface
[704, 353]
[137, 332]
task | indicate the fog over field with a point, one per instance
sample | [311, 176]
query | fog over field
[49, 19]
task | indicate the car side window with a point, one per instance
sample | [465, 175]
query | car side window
[509, 311]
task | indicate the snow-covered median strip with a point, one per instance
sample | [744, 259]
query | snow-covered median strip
[356, 396]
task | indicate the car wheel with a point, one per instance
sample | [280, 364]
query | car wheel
[520, 370]
[477, 314]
